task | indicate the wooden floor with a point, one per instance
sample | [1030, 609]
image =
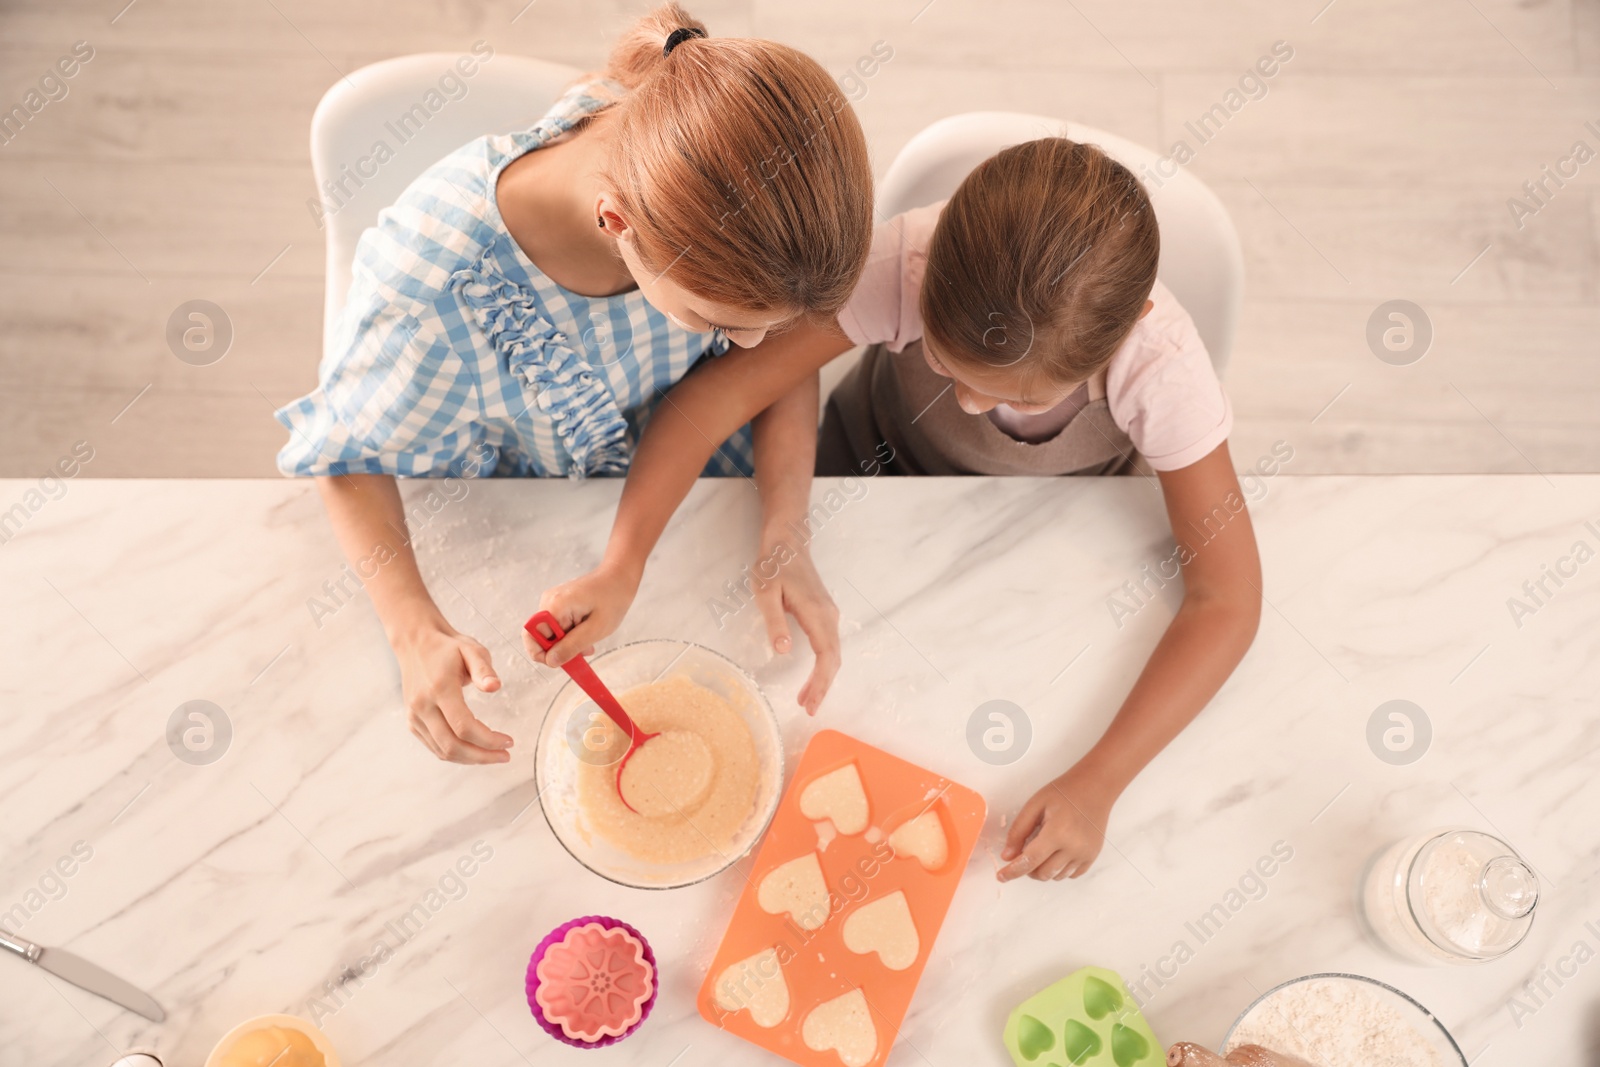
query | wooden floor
[1378, 166]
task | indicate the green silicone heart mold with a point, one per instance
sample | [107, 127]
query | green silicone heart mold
[1100, 999]
[1088, 1019]
[1034, 1038]
[1080, 1042]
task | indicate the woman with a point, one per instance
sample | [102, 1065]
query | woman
[524, 305]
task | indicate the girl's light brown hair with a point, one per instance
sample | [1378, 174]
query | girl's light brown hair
[1042, 260]
[740, 167]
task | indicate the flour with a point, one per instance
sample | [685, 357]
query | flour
[1338, 1022]
[1450, 897]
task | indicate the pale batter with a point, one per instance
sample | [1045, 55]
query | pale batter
[922, 838]
[669, 773]
[843, 1024]
[756, 984]
[796, 887]
[884, 926]
[838, 796]
[693, 792]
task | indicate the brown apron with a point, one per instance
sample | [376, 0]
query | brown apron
[894, 400]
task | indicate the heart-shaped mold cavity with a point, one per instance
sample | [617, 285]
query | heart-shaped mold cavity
[924, 838]
[844, 1025]
[797, 888]
[1079, 1042]
[1128, 1046]
[884, 926]
[1099, 999]
[1034, 1038]
[838, 796]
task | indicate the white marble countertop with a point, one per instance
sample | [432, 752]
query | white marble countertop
[248, 885]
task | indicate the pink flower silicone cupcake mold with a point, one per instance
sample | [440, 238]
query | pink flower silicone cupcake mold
[592, 981]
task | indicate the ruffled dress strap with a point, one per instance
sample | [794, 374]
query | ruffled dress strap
[565, 387]
[579, 102]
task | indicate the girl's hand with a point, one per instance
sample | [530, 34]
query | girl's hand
[1070, 815]
[436, 662]
[797, 590]
[588, 608]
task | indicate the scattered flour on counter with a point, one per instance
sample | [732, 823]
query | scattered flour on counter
[1339, 1023]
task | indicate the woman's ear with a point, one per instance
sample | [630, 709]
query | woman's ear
[607, 218]
[1148, 304]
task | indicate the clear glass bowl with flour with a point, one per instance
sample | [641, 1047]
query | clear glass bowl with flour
[675, 686]
[1345, 1020]
[1449, 896]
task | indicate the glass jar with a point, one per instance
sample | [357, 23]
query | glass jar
[1449, 896]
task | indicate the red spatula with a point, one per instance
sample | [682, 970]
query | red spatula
[579, 670]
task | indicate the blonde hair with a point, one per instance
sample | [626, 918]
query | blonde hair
[740, 167]
[1042, 260]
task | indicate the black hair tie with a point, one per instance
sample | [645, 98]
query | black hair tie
[680, 35]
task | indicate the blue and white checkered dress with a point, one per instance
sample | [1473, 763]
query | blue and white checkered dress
[455, 352]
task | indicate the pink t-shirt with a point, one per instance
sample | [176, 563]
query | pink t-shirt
[1161, 387]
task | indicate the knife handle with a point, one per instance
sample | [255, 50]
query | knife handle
[21, 946]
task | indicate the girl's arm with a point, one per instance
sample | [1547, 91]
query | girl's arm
[435, 659]
[1205, 641]
[701, 411]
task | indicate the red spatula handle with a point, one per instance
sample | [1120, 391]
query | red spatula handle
[579, 671]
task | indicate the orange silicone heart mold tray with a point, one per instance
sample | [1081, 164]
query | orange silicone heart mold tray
[799, 969]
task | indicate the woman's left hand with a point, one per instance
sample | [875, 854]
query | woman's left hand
[1070, 814]
[797, 590]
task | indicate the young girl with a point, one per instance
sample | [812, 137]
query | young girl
[1020, 329]
[523, 306]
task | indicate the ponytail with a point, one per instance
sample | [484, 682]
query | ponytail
[640, 51]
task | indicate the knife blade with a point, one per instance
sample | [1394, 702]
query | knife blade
[85, 975]
[101, 982]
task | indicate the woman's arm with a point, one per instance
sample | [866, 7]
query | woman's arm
[435, 659]
[786, 581]
[1205, 641]
[700, 412]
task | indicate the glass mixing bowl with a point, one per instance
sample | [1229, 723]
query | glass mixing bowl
[1421, 1020]
[562, 748]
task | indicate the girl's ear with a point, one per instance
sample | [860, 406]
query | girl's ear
[1148, 304]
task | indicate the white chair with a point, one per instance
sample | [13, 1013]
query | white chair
[1201, 261]
[371, 105]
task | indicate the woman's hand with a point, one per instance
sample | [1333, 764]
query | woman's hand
[436, 662]
[435, 659]
[589, 608]
[1070, 815]
[797, 590]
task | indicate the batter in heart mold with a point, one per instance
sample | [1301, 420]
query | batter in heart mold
[691, 788]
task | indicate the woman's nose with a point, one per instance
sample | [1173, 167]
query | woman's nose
[973, 402]
[746, 338]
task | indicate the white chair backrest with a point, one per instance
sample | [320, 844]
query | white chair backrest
[1201, 261]
[384, 124]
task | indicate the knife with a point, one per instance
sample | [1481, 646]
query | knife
[85, 975]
